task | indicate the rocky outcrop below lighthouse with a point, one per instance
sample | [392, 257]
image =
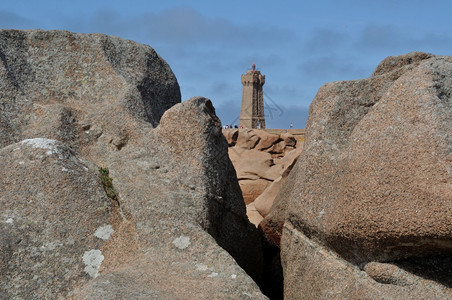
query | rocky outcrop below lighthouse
[262, 160]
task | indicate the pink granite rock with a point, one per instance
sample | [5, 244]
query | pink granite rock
[373, 184]
[258, 158]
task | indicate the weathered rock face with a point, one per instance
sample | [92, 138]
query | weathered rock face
[312, 271]
[373, 184]
[47, 76]
[177, 197]
[174, 193]
[55, 219]
[264, 201]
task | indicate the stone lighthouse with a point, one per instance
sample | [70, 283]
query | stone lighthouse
[252, 110]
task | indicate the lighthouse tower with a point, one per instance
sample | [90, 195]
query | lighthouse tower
[252, 110]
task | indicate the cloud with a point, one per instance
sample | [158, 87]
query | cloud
[223, 87]
[182, 26]
[9, 20]
[333, 68]
[325, 41]
[263, 59]
[438, 43]
[394, 40]
[374, 37]
[330, 54]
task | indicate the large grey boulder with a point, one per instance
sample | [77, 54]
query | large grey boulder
[54, 221]
[177, 184]
[176, 204]
[55, 82]
[372, 186]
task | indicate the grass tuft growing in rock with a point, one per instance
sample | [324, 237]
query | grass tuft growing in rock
[107, 181]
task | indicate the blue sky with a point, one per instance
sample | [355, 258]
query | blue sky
[298, 45]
